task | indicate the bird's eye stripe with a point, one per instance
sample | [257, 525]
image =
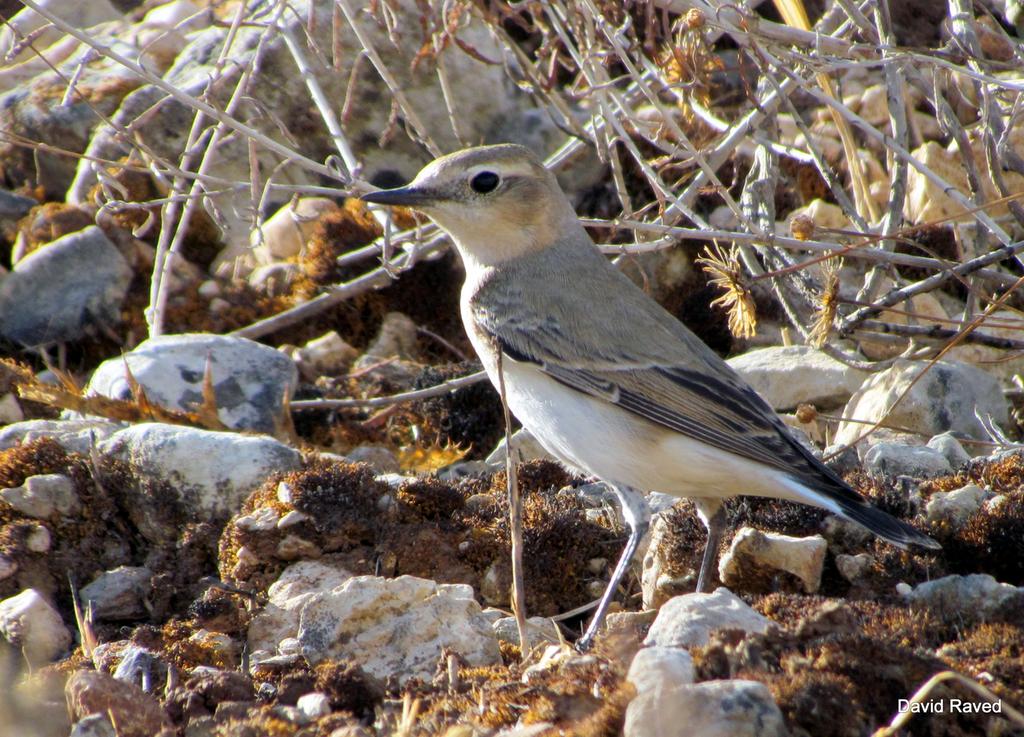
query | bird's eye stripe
[484, 182]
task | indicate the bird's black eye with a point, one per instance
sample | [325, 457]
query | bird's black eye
[484, 182]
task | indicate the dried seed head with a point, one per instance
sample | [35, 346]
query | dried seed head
[724, 271]
[802, 227]
[694, 19]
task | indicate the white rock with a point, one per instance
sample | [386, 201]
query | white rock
[888, 460]
[804, 557]
[26, 21]
[526, 446]
[119, 594]
[263, 519]
[943, 399]
[951, 449]
[74, 436]
[209, 473]
[296, 585]
[327, 355]
[957, 505]
[689, 620]
[396, 339]
[250, 380]
[42, 495]
[973, 597]
[286, 232]
[34, 627]
[660, 667]
[787, 376]
[710, 709]
[314, 705]
[396, 626]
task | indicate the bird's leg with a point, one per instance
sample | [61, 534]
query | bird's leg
[712, 513]
[637, 516]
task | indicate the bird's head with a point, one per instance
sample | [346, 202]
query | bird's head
[497, 202]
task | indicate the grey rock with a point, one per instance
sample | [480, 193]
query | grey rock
[314, 705]
[538, 629]
[43, 495]
[689, 620]
[13, 207]
[657, 584]
[887, 460]
[200, 474]
[947, 444]
[710, 709]
[853, 567]
[94, 725]
[74, 436]
[56, 292]
[250, 380]
[957, 505]
[945, 398]
[119, 594]
[378, 457]
[972, 598]
[787, 376]
[396, 627]
[143, 668]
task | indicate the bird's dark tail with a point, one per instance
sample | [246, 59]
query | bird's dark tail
[884, 525]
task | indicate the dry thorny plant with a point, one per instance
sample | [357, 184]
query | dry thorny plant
[663, 61]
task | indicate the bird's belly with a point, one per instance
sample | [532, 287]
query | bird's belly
[621, 448]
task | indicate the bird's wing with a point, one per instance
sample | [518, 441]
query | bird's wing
[675, 382]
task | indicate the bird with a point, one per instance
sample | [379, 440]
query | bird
[607, 380]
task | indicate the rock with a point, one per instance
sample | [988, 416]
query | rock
[395, 340]
[486, 101]
[396, 627]
[184, 468]
[250, 381]
[660, 667]
[787, 376]
[659, 582]
[43, 495]
[38, 539]
[119, 594]
[135, 713]
[328, 355]
[94, 725]
[996, 361]
[803, 557]
[296, 585]
[943, 399]
[527, 446]
[538, 630]
[142, 668]
[957, 505]
[378, 457]
[285, 233]
[972, 598]
[689, 620]
[314, 705]
[74, 436]
[853, 567]
[951, 449]
[13, 207]
[889, 460]
[10, 410]
[711, 709]
[33, 626]
[50, 298]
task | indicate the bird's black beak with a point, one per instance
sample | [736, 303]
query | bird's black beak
[407, 196]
